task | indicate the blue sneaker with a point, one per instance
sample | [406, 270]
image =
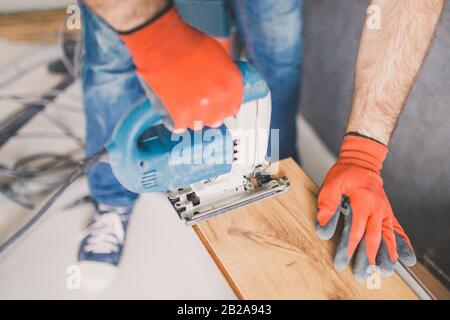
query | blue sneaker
[101, 247]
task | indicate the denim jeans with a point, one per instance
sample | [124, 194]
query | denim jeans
[271, 30]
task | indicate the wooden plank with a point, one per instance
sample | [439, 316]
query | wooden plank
[33, 26]
[269, 250]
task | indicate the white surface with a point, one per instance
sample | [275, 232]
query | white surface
[163, 259]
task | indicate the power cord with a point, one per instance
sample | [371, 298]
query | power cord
[82, 168]
[34, 176]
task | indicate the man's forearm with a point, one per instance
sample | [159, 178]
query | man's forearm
[126, 15]
[389, 59]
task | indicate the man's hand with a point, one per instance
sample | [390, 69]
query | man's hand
[354, 188]
[190, 72]
[388, 61]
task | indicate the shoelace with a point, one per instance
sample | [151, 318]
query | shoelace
[105, 234]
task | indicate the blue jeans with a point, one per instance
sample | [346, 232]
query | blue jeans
[271, 30]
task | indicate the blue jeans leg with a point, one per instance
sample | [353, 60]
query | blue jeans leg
[110, 86]
[271, 30]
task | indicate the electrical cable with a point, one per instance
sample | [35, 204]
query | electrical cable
[56, 162]
[35, 175]
[46, 170]
[39, 135]
[83, 167]
[38, 94]
[38, 99]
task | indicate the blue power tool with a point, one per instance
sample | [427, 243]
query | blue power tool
[205, 172]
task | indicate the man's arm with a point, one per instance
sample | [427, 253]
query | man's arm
[389, 59]
[126, 15]
[194, 77]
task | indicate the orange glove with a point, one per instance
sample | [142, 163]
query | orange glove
[354, 187]
[191, 73]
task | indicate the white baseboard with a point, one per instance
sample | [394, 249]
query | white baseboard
[316, 158]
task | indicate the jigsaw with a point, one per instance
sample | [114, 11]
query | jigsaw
[205, 172]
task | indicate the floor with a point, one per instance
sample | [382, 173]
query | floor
[163, 258]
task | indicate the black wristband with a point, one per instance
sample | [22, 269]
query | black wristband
[164, 10]
[357, 134]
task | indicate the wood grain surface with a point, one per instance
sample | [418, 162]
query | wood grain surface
[33, 26]
[269, 250]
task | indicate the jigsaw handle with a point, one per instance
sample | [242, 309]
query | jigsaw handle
[144, 115]
[122, 147]
[140, 147]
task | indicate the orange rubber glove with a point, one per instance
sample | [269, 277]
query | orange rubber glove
[354, 187]
[190, 72]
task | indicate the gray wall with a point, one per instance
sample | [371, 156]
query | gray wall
[417, 171]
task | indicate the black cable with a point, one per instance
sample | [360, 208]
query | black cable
[83, 167]
[23, 176]
[39, 135]
[38, 99]
[38, 174]
[57, 163]
[60, 164]
[10, 194]
[15, 122]
[49, 171]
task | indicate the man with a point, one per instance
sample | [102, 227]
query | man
[196, 81]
